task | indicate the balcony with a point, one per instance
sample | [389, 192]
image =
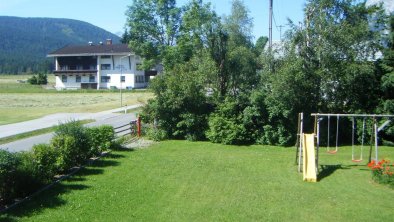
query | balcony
[76, 70]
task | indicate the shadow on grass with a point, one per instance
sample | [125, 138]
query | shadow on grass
[48, 199]
[327, 170]
[52, 197]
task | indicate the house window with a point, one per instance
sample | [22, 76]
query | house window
[64, 78]
[139, 79]
[105, 56]
[123, 78]
[105, 66]
[77, 78]
[105, 79]
[92, 78]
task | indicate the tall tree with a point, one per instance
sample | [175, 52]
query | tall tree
[387, 81]
[239, 24]
[153, 26]
[338, 45]
[241, 65]
[260, 44]
[388, 69]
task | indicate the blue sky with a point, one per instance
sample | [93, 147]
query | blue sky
[110, 15]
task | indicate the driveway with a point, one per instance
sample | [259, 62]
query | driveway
[110, 117]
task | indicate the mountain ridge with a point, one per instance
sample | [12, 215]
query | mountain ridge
[25, 41]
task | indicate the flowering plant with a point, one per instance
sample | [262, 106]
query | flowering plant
[382, 172]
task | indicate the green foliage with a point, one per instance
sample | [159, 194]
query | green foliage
[181, 105]
[45, 157]
[67, 148]
[76, 141]
[40, 79]
[23, 173]
[152, 26]
[28, 176]
[8, 167]
[386, 68]
[156, 134]
[239, 25]
[382, 172]
[323, 66]
[32, 80]
[337, 44]
[100, 139]
[260, 45]
[234, 123]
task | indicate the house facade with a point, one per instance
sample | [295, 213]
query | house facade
[101, 66]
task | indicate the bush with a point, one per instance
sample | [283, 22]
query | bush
[8, 166]
[233, 123]
[68, 153]
[40, 79]
[225, 130]
[80, 142]
[156, 134]
[100, 139]
[32, 80]
[28, 177]
[45, 157]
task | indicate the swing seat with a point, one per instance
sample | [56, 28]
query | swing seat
[332, 151]
[357, 161]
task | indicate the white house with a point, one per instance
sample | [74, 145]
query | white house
[101, 66]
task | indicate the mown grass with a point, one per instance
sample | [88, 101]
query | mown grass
[199, 181]
[22, 101]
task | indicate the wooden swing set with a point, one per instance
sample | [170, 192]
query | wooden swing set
[307, 145]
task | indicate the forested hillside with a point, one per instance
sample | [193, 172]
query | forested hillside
[25, 42]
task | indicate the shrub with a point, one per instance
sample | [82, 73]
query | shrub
[8, 166]
[44, 157]
[40, 79]
[100, 139]
[382, 172]
[233, 123]
[225, 130]
[32, 80]
[80, 144]
[28, 177]
[156, 134]
[68, 154]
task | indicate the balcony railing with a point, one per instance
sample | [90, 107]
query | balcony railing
[77, 69]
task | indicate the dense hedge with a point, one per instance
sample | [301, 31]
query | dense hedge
[22, 173]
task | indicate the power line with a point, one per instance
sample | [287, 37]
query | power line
[278, 26]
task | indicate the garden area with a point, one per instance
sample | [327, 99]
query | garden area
[201, 181]
[223, 115]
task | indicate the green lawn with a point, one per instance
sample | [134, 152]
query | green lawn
[199, 181]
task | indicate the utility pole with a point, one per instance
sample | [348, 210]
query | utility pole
[270, 26]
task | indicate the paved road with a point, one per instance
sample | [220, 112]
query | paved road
[55, 119]
[102, 118]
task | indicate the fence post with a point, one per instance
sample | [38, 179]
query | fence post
[139, 126]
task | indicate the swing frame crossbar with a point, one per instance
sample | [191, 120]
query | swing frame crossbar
[318, 118]
[352, 115]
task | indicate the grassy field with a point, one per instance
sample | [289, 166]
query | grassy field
[199, 181]
[22, 101]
